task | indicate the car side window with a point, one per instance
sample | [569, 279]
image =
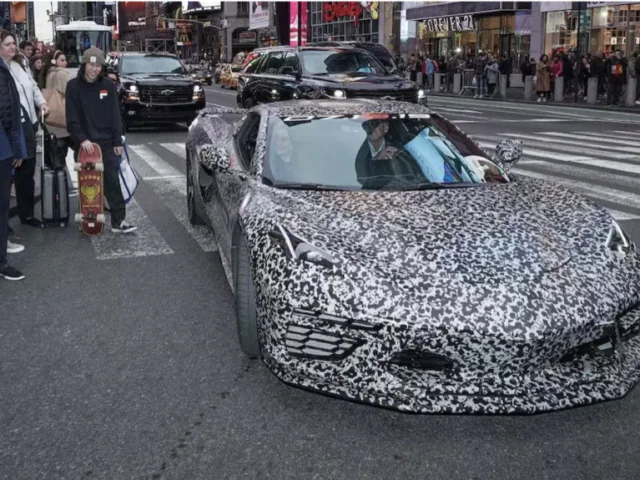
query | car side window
[246, 139]
[273, 63]
[291, 64]
[252, 67]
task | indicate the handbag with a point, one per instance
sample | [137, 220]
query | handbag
[54, 151]
[55, 100]
[129, 178]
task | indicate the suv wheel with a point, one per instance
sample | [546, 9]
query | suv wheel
[248, 103]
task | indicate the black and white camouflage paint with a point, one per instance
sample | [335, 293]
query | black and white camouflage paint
[509, 289]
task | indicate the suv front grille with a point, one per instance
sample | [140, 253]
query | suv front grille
[164, 95]
[402, 95]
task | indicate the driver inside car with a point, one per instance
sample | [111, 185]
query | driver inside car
[282, 153]
[373, 158]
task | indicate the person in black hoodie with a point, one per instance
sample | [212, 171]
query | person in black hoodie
[93, 116]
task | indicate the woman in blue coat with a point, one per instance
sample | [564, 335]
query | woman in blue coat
[12, 151]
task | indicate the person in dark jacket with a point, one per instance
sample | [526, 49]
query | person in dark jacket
[12, 151]
[617, 77]
[93, 116]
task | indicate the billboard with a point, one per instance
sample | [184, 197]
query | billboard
[258, 15]
[192, 7]
[132, 16]
[18, 12]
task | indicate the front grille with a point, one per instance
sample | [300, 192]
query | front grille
[402, 95]
[421, 360]
[319, 345]
[166, 95]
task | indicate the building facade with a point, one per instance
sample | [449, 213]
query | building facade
[500, 28]
[339, 21]
[590, 27]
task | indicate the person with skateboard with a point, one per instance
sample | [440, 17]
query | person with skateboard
[93, 116]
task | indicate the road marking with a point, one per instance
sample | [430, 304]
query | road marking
[618, 215]
[610, 195]
[157, 163]
[173, 194]
[468, 121]
[552, 157]
[177, 149]
[600, 138]
[563, 143]
[144, 242]
[447, 109]
[171, 187]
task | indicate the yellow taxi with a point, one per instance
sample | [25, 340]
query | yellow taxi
[229, 76]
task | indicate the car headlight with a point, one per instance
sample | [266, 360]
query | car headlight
[295, 247]
[197, 89]
[421, 94]
[336, 94]
[132, 92]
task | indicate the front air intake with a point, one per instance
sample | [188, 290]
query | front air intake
[422, 360]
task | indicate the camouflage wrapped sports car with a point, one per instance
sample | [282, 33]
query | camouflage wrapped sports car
[378, 254]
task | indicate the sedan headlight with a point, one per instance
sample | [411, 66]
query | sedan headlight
[336, 94]
[421, 94]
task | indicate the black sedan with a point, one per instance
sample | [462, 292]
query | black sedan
[378, 254]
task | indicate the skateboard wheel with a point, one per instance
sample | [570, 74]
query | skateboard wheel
[77, 166]
[100, 167]
[101, 218]
[78, 217]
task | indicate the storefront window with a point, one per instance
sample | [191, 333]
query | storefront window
[610, 28]
[330, 21]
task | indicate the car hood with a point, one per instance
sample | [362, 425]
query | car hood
[159, 79]
[355, 80]
[483, 234]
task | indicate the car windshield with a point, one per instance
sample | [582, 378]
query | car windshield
[370, 151]
[151, 64]
[323, 62]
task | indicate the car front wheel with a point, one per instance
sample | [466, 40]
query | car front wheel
[194, 218]
[245, 300]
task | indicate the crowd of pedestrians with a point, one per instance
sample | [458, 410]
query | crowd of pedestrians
[612, 69]
[35, 89]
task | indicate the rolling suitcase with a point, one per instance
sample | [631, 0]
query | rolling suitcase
[54, 185]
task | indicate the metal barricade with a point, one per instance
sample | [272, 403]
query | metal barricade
[467, 81]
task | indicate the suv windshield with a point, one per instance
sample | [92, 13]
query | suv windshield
[150, 64]
[322, 62]
[370, 151]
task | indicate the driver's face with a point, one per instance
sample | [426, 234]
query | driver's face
[283, 145]
[380, 131]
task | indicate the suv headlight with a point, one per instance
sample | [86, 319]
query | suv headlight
[336, 93]
[197, 89]
[421, 94]
[132, 92]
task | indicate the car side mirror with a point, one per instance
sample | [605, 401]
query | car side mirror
[215, 159]
[509, 152]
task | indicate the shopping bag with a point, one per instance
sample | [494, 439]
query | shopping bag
[56, 103]
[129, 178]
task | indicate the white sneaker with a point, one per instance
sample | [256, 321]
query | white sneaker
[124, 228]
[14, 247]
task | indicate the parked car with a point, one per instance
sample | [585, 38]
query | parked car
[155, 88]
[378, 254]
[286, 73]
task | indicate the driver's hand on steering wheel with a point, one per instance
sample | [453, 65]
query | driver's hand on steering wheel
[386, 154]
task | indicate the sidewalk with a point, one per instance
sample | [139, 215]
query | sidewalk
[516, 95]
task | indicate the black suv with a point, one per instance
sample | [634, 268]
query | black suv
[286, 73]
[155, 88]
[375, 49]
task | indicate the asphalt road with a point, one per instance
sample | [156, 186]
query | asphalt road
[119, 358]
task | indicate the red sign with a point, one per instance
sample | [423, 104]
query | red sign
[334, 10]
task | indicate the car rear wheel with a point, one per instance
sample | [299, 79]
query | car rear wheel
[245, 300]
[194, 218]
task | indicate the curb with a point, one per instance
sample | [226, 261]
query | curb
[621, 109]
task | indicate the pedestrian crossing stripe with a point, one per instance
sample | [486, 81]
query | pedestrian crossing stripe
[545, 157]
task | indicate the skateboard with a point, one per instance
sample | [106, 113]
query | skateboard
[90, 191]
